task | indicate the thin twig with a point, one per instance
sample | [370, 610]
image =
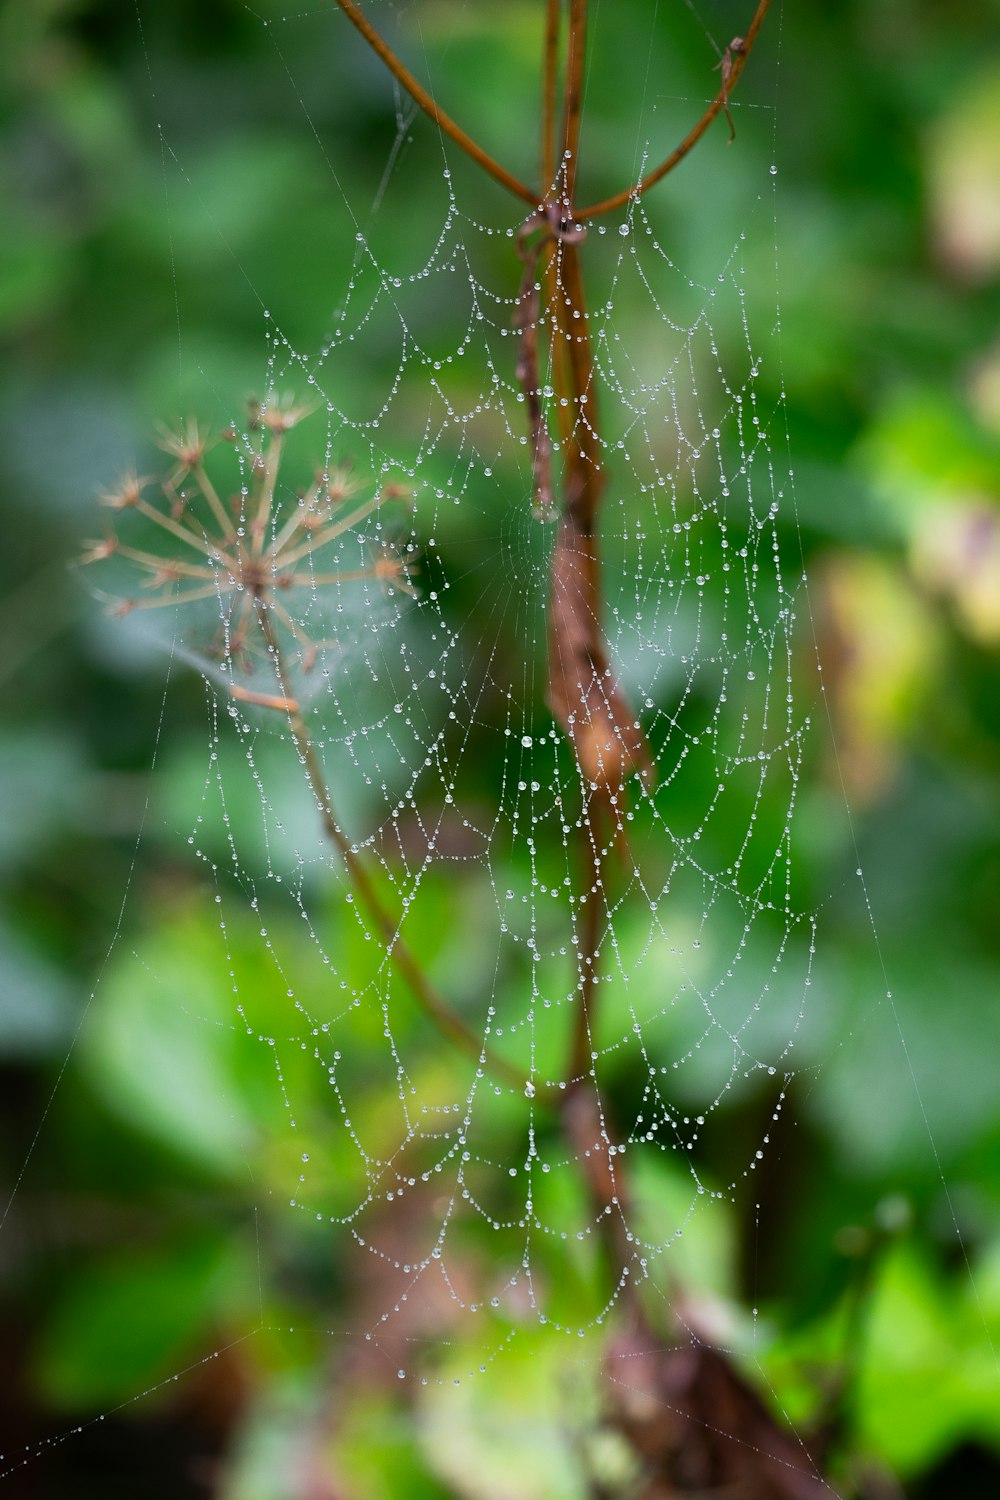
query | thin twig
[175, 528]
[573, 95]
[211, 494]
[718, 104]
[444, 122]
[329, 532]
[208, 591]
[582, 1044]
[152, 561]
[258, 526]
[585, 1125]
[263, 700]
[548, 142]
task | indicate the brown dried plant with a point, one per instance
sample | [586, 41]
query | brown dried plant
[261, 557]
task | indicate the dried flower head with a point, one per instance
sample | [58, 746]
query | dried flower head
[264, 564]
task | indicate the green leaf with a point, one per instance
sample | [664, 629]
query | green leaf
[166, 1048]
[929, 1380]
[126, 1324]
[535, 1387]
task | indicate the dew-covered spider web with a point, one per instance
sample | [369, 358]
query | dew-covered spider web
[401, 852]
[411, 584]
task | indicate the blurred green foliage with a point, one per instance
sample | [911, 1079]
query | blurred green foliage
[170, 171]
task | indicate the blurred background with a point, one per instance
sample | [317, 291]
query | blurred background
[167, 172]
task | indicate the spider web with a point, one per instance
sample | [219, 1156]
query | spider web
[453, 784]
[456, 1203]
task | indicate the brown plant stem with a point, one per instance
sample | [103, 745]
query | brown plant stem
[421, 97]
[581, 1047]
[583, 693]
[607, 742]
[585, 1127]
[718, 104]
[433, 1004]
[585, 475]
[549, 70]
[573, 96]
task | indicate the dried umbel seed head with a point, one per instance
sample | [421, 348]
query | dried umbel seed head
[268, 566]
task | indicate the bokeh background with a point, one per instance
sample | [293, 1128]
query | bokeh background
[166, 169]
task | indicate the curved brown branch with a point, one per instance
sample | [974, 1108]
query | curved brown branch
[420, 96]
[717, 106]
